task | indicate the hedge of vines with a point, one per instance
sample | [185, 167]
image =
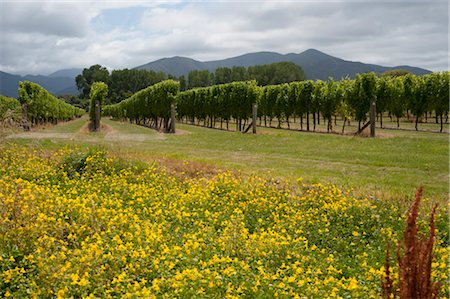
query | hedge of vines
[397, 96]
[43, 107]
[9, 108]
[149, 107]
[219, 102]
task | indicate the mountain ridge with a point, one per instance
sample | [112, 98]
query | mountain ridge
[315, 64]
[9, 83]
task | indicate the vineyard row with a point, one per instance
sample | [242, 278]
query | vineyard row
[350, 99]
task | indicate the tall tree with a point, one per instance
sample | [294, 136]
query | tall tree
[276, 73]
[200, 78]
[125, 83]
[95, 73]
[222, 75]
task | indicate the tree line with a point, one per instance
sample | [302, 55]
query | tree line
[267, 74]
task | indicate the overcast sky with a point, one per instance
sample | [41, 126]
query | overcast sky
[40, 37]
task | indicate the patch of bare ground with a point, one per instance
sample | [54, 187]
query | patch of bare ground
[40, 135]
[175, 167]
[88, 127]
[181, 132]
[378, 134]
[191, 169]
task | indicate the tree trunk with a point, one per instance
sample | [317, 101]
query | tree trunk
[441, 124]
[25, 121]
[343, 126]
[97, 116]
[417, 120]
[307, 120]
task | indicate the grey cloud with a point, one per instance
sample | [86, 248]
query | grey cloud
[45, 18]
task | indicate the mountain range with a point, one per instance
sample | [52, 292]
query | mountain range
[59, 83]
[315, 64]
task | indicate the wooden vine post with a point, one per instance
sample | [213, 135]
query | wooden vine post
[25, 121]
[254, 116]
[97, 116]
[373, 111]
[172, 118]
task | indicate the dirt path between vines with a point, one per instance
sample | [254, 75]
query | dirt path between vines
[107, 133]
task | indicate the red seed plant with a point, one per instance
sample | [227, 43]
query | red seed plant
[415, 265]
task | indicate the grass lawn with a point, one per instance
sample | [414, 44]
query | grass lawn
[392, 165]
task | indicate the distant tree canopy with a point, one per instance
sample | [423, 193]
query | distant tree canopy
[123, 83]
[276, 73]
[267, 74]
[95, 73]
[200, 78]
[395, 73]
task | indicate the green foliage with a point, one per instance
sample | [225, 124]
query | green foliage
[95, 73]
[395, 73]
[99, 90]
[267, 74]
[221, 101]
[364, 91]
[276, 73]
[438, 93]
[393, 94]
[124, 83]
[200, 78]
[44, 107]
[75, 101]
[152, 102]
[9, 108]
[75, 163]
[332, 96]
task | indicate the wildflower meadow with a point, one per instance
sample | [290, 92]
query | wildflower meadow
[77, 224]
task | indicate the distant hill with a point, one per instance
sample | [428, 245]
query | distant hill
[9, 84]
[71, 73]
[315, 64]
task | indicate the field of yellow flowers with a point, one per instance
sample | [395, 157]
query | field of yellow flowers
[83, 225]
